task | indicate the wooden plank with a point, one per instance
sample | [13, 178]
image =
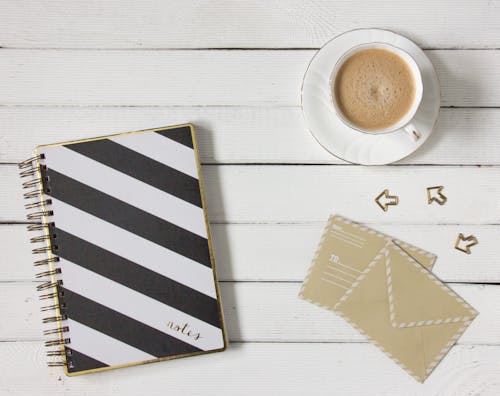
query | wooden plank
[257, 312]
[282, 252]
[187, 78]
[249, 194]
[311, 193]
[11, 194]
[151, 77]
[21, 316]
[241, 134]
[245, 369]
[250, 23]
[16, 253]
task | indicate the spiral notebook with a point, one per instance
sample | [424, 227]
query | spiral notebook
[129, 269]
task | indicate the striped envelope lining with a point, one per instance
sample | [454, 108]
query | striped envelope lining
[130, 231]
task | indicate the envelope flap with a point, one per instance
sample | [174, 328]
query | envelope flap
[416, 296]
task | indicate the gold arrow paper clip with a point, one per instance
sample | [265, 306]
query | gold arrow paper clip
[434, 194]
[464, 244]
[389, 200]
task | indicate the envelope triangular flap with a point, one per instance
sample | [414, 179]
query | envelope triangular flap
[416, 296]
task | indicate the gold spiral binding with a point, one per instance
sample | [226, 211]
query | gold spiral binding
[40, 238]
[29, 162]
[28, 172]
[59, 341]
[41, 250]
[53, 307]
[56, 364]
[40, 215]
[32, 194]
[38, 204]
[58, 330]
[51, 296]
[33, 183]
[49, 285]
[38, 182]
[31, 171]
[52, 319]
[57, 352]
[46, 261]
[38, 227]
[48, 273]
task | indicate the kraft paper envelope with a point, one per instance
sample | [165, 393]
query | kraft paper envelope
[384, 288]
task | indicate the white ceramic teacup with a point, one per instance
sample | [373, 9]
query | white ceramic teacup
[405, 122]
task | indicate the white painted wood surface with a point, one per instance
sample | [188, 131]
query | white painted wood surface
[78, 69]
[260, 193]
[263, 368]
[282, 252]
[247, 23]
[230, 135]
[250, 308]
[207, 78]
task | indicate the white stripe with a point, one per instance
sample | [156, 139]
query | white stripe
[348, 236]
[127, 189]
[333, 283]
[352, 269]
[102, 347]
[337, 277]
[354, 236]
[134, 248]
[343, 239]
[331, 266]
[161, 149]
[138, 306]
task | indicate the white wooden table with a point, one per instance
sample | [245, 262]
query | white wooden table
[71, 69]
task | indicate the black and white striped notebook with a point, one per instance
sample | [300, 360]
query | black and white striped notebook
[130, 263]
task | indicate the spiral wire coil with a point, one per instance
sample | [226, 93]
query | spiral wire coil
[38, 182]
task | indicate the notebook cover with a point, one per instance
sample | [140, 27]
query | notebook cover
[129, 224]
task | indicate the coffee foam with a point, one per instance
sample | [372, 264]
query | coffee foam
[374, 89]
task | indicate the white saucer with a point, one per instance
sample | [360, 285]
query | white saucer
[347, 143]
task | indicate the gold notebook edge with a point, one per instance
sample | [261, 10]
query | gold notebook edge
[210, 249]
[142, 362]
[115, 135]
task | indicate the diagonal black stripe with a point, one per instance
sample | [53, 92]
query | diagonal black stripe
[181, 135]
[135, 277]
[142, 168]
[78, 361]
[128, 217]
[121, 327]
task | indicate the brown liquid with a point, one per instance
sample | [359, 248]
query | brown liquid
[374, 88]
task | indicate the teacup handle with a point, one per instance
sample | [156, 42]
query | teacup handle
[412, 131]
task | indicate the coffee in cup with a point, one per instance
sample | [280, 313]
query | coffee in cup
[377, 88]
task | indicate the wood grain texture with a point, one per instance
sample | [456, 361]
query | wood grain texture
[187, 78]
[249, 24]
[241, 134]
[283, 252]
[242, 194]
[11, 194]
[257, 312]
[79, 69]
[312, 193]
[245, 369]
